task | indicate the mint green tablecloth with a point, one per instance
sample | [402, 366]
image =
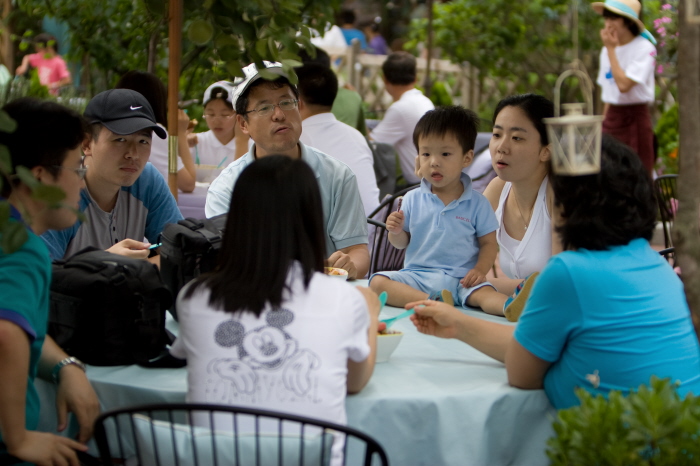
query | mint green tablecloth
[435, 402]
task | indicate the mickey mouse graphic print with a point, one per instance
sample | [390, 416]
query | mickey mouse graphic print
[292, 360]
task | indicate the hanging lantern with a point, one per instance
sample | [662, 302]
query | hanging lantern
[576, 136]
[692, 11]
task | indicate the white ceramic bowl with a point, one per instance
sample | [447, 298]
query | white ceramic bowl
[387, 343]
[336, 272]
[207, 173]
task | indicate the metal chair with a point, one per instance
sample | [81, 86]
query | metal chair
[205, 434]
[384, 166]
[665, 189]
[384, 256]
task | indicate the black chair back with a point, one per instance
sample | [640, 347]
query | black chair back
[205, 434]
[667, 200]
[383, 255]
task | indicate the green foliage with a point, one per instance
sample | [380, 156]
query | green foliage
[651, 426]
[439, 95]
[219, 36]
[667, 137]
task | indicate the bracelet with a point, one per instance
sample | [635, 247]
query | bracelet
[63, 363]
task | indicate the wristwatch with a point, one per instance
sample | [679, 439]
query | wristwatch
[63, 363]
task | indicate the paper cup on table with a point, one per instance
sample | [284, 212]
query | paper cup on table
[336, 272]
[207, 173]
[387, 343]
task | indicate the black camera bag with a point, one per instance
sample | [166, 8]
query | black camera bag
[190, 248]
[109, 310]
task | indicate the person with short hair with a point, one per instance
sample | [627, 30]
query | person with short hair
[268, 329]
[318, 87]
[396, 128]
[125, 199]
[626, 76]
[448, 229]
[151, 87]
[224, 142]
[268, 112]
[607, 313]
[26, 351]
[346, 19]
[51, 68]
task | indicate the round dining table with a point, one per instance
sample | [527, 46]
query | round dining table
[434, 402]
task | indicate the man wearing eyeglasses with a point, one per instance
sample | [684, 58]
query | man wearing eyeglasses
[268, 111]
[125, 199]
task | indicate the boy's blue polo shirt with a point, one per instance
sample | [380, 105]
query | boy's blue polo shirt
[25, 278]
[446, 237]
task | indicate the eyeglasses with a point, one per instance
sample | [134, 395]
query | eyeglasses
[78, 171]
[211, 116]
[266, 109]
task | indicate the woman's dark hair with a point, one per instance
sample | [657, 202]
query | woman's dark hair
[535, 107]
[462, 123]
[45, 132]
[631, 25]
[275, 219]
[610, 208]
[152, 88]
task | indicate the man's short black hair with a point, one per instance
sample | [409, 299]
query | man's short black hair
[322, 57]
[318, 85]
[62, 129]
[400, 68]
[462, 123]
[610, 208]
[346, 16]
[279, 83]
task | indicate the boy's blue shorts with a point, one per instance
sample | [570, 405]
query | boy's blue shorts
[431, 280]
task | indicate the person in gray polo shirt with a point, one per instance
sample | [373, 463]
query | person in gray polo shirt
[268, 112]
[125, 200]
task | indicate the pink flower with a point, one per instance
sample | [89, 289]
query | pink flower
[666, 19]
[659, 69]
[661, 31]
[667, 6]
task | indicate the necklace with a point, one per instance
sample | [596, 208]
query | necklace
[517, 204]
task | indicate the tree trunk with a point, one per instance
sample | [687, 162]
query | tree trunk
[6, 47]
[687, 225]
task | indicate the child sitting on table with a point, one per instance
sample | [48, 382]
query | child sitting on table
[449, 230]
[218, 146]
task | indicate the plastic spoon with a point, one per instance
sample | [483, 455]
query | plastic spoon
[389, 322]
[382, 299]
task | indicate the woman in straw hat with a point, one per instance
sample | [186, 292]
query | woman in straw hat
[626, 76]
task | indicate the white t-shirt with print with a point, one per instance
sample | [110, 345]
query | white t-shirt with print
[293, 360]
[638, 60]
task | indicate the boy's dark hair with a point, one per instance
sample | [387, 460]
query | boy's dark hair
[322, 58]
[462, 123]
[535, 107]
[275, 219]
[318, 85]
[47, 40]
[279, 83]
[346, 16]
[152, 88]
[631, 25]
[62, 129]
[610, 208]
[400, 68]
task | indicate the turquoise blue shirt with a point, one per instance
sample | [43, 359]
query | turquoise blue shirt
[619, 315]
[446, 237]
[343, 214]
[25, 278]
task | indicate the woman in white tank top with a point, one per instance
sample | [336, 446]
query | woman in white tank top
[520, 195]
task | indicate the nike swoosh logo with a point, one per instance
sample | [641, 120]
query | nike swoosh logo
[135, 108]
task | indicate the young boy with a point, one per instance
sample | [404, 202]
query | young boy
[52, 69]
[449, 229]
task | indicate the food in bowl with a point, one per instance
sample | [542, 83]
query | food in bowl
[336, 272]
[387, 341]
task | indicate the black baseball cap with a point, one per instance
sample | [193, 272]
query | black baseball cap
[123, 111]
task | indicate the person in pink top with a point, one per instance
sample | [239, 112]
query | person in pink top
[52, 69]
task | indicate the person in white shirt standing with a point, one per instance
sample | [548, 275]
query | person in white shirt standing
[396, 128]
[626, 76]
[318, 87]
